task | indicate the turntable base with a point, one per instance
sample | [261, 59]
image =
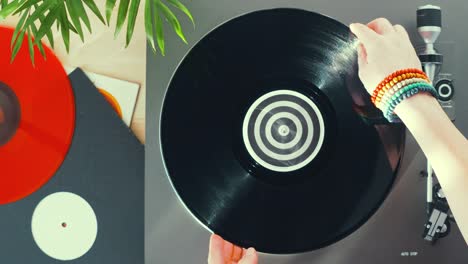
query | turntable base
[392, 235]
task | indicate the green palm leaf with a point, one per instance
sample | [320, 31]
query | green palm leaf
[159, 30]
[64, 27]
[69, 14]
[18, 28]
[121, 16]
[71, 27]
[47, 23]
[110, 4]
[40, 10]
[132, 15]
[93, 7]
[75, 17]
[49, 34]
[8, 9]
[17, 46]
[78, 6]
[26, 5]
[183, 8]
[31, 46]
[149, 25]
[172, 20]
[39, 43]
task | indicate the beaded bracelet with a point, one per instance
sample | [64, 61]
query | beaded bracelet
[390, 92]
[392, 117]
[400, 78]
[403, 94]
[398, 93]
[396, 77]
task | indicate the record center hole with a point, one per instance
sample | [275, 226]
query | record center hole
[64, 225]
[2, 116]
[9, 113]
[283, 130]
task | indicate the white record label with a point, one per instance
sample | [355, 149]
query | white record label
[283, 130]
[64, 226]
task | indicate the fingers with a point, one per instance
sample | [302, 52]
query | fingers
[362, 56]
[250, 257]
[401, 30]
[216, 250]
[366, 35]
[228, 249]
[221, 252]
[237, 253]
[381, 25]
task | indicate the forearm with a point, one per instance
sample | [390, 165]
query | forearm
[444, 146]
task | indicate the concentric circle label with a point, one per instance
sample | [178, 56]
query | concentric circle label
[64, 226]
[283, 130]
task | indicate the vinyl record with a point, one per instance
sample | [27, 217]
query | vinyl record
[260, 139]
[112, 101]
[37, 116]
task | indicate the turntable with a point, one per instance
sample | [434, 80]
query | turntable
[284, 69]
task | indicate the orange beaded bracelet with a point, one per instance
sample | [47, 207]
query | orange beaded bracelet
[399, 78]
[394, 78]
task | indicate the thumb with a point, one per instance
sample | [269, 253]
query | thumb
[250, 257]
[366, 35]
[362, 56]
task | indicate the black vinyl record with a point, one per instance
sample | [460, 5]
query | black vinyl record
[260, 139]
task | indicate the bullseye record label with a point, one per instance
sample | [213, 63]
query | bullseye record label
[283, 130]
[64, 226]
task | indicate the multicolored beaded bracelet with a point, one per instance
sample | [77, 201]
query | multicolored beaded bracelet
[405, 93]
[390, 92]
[403, 77]
[389, 111]
[394, 78]
[397, 94]
[393, 118]
[397, 76]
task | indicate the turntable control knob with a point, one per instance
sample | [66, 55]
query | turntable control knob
[445, 90]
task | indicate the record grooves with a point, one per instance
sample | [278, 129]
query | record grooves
[260, 139]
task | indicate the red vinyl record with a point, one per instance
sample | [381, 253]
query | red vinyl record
[37, 118]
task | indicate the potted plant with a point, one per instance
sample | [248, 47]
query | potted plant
[37, 17]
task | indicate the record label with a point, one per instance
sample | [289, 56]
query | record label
[64, 226]
[9, 113]
[283, 130]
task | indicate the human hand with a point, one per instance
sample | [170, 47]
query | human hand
[224, 252]
[384, 49]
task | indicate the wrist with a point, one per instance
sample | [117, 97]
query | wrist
[415, 104]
